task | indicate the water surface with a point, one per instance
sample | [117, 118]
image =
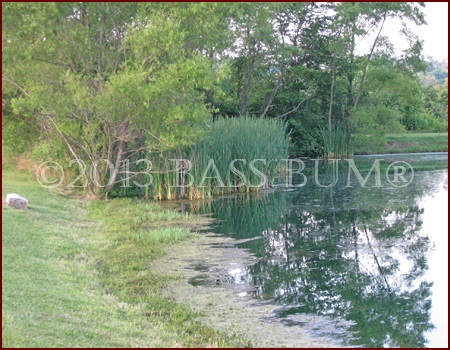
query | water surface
[372, 258]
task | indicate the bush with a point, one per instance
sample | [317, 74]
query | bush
[372, 123]
[377, 120]
[305, 138]
[424, 122]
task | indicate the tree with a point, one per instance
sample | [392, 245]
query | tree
[362, 19]
[111, 80]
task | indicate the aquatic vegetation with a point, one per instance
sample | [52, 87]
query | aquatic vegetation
[337, 141]
[236, 155]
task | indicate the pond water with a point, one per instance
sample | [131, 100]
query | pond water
[370, 259]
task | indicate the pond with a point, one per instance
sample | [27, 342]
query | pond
[371, 259]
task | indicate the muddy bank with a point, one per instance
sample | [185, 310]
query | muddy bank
[209, 270]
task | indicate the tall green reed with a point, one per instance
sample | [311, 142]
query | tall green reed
[252, 142]
[337, 142]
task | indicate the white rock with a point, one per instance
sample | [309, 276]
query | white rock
[16, 201]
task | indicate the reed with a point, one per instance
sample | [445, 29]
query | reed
[337, 142]
[246, 139]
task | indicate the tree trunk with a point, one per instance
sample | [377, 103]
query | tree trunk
[272, 95]
[249, 76]
[247, 85]
[122, 138]
[333, 77]
[369, 56]
[350, 76]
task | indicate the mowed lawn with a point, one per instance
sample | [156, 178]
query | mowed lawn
[415, 143]
[65, 284]
[406, 143]
[50, 292]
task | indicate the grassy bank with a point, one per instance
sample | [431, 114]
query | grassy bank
[76, 274]
[403, 143]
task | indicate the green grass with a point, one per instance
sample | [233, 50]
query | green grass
[76, 274]
[416, 143]
[403, 143]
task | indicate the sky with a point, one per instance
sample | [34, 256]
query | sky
[434, 34]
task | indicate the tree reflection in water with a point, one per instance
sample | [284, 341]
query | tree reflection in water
[351, 252]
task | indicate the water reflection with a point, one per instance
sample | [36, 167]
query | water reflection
[347, 252]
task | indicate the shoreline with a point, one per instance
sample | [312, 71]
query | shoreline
[210, 284]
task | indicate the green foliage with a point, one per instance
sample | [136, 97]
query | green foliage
[377, 119]
[435, 111]
[116, 80]
[372, 123]
[129, 83]
[424, 122]
[337, 141]
[19, 132]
